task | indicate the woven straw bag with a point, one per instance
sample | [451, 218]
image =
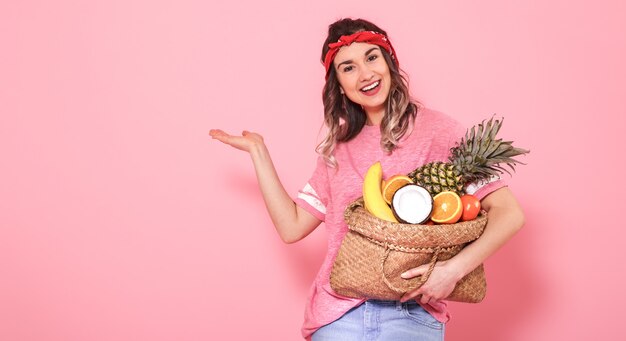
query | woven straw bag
[375, 252]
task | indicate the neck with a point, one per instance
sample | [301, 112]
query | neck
[374, 116]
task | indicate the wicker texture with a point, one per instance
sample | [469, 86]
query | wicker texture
[375, 252]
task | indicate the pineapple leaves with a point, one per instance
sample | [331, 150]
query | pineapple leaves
[502, 170]
[479, 155]
[475, 144]
[471, 137]
[503, 147]
[496, 128]
[484, 145]
[493, 146]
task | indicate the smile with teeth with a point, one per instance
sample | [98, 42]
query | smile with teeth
[371, 86]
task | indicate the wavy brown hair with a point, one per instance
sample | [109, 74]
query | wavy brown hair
[345, 119]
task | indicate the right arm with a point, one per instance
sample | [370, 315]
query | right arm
[291, 221]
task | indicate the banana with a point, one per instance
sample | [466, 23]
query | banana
[372, 194]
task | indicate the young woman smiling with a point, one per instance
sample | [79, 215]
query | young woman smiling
[371, 117]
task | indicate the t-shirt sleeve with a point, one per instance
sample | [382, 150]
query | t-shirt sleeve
[481, 189]
[314, 196]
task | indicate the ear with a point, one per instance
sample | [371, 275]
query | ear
[341, 90]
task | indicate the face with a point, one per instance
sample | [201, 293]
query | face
[363, 75]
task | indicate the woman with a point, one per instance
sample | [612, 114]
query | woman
[371, 117]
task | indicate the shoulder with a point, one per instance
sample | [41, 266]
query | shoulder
[437, 124]
[435, 118]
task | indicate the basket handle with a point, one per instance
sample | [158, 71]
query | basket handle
[353, 206]
[423, 278]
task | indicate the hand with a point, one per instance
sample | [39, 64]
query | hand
[439, 285]
[246, 142]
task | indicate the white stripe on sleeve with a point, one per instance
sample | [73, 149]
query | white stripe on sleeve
[475, 186]
[309, 195]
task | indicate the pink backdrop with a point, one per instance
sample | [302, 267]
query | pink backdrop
[120, 219]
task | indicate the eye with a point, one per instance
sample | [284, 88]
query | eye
[347, 68]
[372, 57]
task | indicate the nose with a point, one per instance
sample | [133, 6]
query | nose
[366, 73]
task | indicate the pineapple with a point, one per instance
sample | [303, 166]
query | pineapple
[478, 156]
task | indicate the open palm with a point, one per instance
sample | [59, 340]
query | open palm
[245, 142]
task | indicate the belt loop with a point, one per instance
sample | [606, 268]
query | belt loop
[398, 305]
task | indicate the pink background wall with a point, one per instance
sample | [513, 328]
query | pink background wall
[120, 219]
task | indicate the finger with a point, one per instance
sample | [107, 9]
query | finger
[410, 295]
[223, 137]
[424, 299]
[406, 297]
[420, 270]
[216, 132]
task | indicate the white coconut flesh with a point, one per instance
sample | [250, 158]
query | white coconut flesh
[412, 204]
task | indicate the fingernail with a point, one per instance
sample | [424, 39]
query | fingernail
[404, 275]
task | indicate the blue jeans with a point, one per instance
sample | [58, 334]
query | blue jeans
[381, 321]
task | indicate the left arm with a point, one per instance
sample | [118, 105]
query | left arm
[505, 218]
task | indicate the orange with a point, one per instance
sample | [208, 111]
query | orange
[447, 208]
[471, 207]
[391, 185]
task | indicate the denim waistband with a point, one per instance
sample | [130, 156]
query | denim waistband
[389, 303]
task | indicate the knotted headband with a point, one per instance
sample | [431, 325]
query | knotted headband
[369, 37]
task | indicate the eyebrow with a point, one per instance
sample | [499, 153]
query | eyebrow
[349, 61]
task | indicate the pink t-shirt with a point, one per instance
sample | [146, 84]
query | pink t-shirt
[330, 190]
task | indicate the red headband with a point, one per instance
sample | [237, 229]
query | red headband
[369, 37]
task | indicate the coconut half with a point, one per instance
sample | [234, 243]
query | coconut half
[412, 204]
